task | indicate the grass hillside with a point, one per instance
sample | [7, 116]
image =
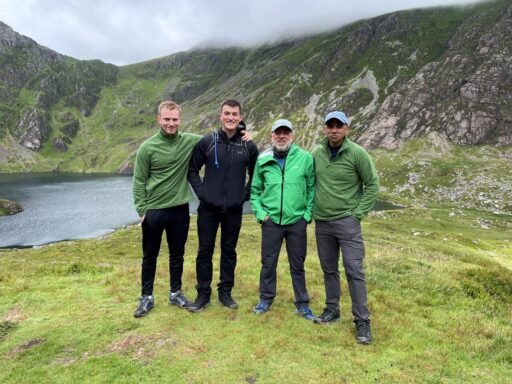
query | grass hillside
[440, 293]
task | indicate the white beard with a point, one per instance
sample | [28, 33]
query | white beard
[282, 148]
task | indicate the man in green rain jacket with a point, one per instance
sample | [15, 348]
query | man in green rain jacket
[282, 195]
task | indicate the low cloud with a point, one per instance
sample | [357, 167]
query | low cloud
[130, 31]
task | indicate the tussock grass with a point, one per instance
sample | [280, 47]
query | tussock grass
[439, 291]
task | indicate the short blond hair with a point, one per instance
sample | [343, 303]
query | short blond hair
[168, 104]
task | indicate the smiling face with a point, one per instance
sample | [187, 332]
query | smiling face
[169, 120]
[335, 131]
[282, 139]
[229, 118]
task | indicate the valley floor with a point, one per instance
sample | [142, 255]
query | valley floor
[440, 293]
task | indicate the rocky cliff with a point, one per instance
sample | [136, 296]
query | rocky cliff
[35, 80]
[464, 97]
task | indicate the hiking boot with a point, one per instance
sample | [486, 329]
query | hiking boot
[261, 307]
[202, 302]
[306, 313]
[179, 299]
[363, 332]
[226, 300]
[328, 316]
[146, 303]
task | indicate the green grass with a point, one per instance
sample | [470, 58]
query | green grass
[439, 291]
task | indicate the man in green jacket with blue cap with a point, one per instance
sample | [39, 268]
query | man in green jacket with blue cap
[347, 186]
[282, 194]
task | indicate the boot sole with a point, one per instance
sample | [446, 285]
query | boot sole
[199, 309]
[227, 306]
[363, 341]
[326, 323]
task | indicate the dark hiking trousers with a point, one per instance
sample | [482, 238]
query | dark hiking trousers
[344, 234]
[175, 221]
[208, 221]
[272, 236]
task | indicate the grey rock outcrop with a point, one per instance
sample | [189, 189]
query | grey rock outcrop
[32, 129]
[466, 95]
[126, 168]
[60, 145]
[8, 207]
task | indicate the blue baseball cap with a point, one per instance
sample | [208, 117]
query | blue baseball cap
[338, 116]
[282, 123]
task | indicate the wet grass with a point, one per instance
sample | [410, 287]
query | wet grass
[439, 283]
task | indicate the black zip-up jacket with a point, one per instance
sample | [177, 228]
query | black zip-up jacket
[227, 162]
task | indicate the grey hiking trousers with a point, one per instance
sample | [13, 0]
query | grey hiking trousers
[344, 234]
[296, 246]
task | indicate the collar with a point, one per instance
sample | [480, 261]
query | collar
[346, 143]
[225, 137]
[168, 138]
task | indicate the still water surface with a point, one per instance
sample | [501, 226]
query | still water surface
[59, 206]
[64, 206]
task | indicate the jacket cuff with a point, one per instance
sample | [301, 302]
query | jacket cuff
[141, 212]
[260, 216]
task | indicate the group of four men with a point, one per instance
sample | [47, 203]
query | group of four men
[336, 185]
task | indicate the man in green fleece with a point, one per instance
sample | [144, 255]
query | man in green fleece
[282, 194]
[347, 186]
[161, 193]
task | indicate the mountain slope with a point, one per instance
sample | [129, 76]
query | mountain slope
[441, 75]
[464, 96]
[42, 91]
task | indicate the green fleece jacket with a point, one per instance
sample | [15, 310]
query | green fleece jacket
[347, 185]
[160, 173]
[284, 195]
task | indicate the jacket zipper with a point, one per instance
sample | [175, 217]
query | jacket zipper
[230, 161]
[282, 193]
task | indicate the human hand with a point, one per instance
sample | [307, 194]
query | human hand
[246, 136]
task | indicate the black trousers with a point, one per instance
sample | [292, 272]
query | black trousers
[175, 221]
[208, 221]
[272, 236]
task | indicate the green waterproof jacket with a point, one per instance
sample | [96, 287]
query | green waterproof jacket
[347, 185]
[284, 195]
[160, 173]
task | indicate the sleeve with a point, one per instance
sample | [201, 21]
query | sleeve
[140, 179]
[310, 188]
[196, 163]
[370, 181]
[256, 191]
[253, 157]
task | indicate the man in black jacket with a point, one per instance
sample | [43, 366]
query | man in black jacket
[221, 193]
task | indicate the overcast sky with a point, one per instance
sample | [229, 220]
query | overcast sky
[130, 31]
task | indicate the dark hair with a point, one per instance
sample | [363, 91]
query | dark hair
[232, 103]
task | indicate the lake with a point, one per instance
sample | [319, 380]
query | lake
[66, 206]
